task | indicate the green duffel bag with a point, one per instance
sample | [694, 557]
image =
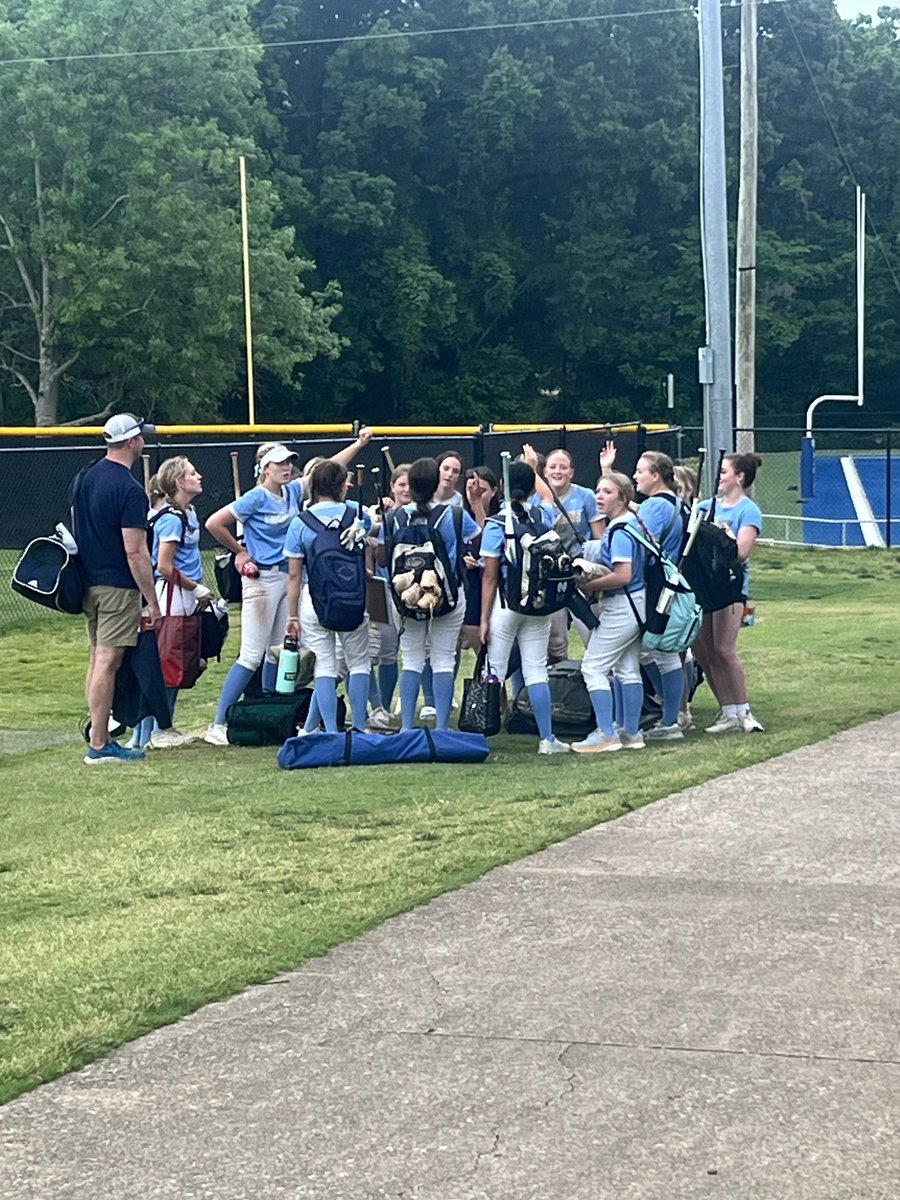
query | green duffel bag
[267, 720]
[270, 719]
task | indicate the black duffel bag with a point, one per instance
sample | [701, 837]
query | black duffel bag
[213, 631]
[50, 575]
[573, 713]
[228, 578]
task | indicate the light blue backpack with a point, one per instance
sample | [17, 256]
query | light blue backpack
[674, 621]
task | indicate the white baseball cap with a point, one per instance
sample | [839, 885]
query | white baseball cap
[124, 426]
[278, 454]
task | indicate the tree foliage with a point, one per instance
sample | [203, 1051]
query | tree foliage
[120, 217]
[509, 212]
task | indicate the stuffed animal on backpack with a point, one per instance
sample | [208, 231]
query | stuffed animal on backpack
[411, 595]
[431, 591]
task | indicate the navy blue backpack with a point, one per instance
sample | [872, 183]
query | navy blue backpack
[336, 574]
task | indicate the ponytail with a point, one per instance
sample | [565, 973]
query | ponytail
[521, 485]
[423, 475]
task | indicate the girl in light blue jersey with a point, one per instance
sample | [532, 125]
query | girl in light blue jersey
[328, 488]
[663, 515]
[265, 512]
[176, 547]
[437, 638]
[577, 520]
[716, 646]
[502, 626]
[615, 644]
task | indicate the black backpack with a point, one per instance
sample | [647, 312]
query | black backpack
[414, 549]
[161, 512]
[710, 563]
[539, 578]
[336, 573]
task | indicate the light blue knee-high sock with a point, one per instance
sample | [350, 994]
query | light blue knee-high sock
[142, 733]
[632, 703]
[428, 684]
[374, 692]
[313, 716]
[235, 682]
[672, 691]
[358, 692]
[410, 682]
[326, 698]
[388, 674]
[539, 695]
[443, 697]
[655, 677]
[602, 700]
[269, 675]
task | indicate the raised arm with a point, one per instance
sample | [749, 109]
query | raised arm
[541, 486]
[346, 456]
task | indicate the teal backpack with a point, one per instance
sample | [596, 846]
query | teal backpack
[674, 621]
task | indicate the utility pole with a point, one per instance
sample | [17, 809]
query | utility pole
[715, 357]
[745, 282]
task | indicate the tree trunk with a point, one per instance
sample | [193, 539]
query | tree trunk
[46, 409]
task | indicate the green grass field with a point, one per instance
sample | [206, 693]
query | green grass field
[132, 895]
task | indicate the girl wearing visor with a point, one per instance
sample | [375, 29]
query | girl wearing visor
[265, 512]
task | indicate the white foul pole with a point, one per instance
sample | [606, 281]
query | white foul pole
[248, 321]
[859, 396]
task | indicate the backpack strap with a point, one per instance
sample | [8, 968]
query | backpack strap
[562, 508]
[642, 625]
[311, 521]
[164, 511]
[392, 526]
[456, 517]
[74, 489]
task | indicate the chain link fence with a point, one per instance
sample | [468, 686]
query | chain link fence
[36, 471]
[841, 488]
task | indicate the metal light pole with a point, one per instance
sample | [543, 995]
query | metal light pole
[715, 357]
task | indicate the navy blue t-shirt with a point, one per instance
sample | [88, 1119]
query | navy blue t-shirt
[109, 500]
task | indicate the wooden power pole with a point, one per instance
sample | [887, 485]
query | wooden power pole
[745, 282]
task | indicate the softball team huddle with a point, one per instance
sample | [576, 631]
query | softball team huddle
[273, 531]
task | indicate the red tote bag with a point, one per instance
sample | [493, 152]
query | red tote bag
[179, 642]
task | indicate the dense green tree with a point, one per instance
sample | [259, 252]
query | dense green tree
[119, 212]
[509, 211]
[513, 213]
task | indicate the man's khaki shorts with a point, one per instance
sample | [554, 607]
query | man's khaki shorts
[113, 615]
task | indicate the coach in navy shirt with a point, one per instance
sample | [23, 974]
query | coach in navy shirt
[111, 529]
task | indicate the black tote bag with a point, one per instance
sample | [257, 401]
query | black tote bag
[480, 708]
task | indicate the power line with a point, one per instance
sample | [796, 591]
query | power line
[392, 35]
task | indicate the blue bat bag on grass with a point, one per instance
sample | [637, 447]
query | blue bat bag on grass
[354, 749]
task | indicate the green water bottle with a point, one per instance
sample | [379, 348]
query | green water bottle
[288, 661]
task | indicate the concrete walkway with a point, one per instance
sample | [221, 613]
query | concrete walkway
[701, 999]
